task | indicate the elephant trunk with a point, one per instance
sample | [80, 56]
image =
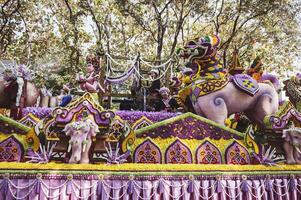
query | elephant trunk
[297, 148]
[76, 152]
[297, 154]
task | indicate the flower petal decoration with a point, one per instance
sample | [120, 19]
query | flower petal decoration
[178, 153]
[11, 150]
[237, 154]
[147, 152]
[208, 153]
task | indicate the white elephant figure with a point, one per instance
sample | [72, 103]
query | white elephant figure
[81, 134]
[292, 144]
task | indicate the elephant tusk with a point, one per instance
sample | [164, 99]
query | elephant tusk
[85, 142]
[84, 147]
[298, 149]
[69, 148]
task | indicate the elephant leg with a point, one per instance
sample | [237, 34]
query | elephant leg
[289, 153]
[214, 109]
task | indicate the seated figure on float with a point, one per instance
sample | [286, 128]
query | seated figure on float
[89, 83]
[65, 97]
[214, 94]
[156, 84]
[167, 102]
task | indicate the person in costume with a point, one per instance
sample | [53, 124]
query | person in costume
[65, 97]
[156, 84]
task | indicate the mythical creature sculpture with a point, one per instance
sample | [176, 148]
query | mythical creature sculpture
[89, 83]
[81, 134]
[293, 90]
[215, 94]
[292, 144]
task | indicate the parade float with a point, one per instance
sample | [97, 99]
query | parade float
[232, 140]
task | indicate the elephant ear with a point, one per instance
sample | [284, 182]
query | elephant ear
[68, 130]
[286, 135]
[93, 128]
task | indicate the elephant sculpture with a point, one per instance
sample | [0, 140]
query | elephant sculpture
[81, 134]
[292, 144]
[215, 94]
[15, 84]
[8, 94]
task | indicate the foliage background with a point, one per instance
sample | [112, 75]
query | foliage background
[55, 36]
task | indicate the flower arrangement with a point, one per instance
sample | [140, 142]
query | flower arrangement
[130, 116]
[40, 112]
[42, 156]
[114, 156]
[133, 116]
[267, 157]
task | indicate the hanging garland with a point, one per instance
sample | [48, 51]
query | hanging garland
[150, 79]
[156, 66]
[121, 78]
[135, 186]
[134, 69]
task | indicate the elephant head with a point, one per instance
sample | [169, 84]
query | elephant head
[292, 144]
[81, 134]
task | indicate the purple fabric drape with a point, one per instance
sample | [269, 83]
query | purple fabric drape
[150, 187]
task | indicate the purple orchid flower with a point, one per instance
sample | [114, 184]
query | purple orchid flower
[42, 156]
[113, 157]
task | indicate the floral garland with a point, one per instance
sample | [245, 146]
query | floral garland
[129, 168]
[132, 187]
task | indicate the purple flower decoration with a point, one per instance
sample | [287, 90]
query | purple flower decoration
[39, 112]
[25, 72]
[130, 116]
[266, 157]
[133, 116]
[113, 157]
